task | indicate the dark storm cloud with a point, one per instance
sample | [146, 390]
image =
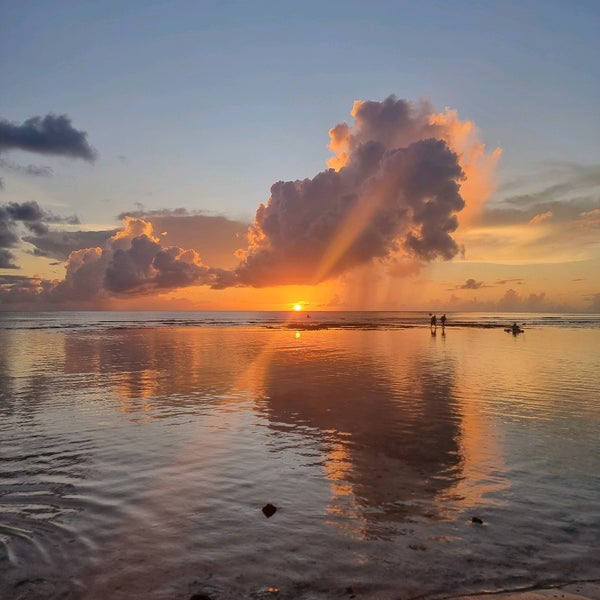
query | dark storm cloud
[52, 134]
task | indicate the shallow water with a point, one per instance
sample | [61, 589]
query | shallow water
[134, 462]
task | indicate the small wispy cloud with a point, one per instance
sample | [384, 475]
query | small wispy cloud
[30, 170]
[470, 284]
[514, 280]
[541, 217]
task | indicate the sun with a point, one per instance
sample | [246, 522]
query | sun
[297, 307]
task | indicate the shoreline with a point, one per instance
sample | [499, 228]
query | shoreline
[583, 590]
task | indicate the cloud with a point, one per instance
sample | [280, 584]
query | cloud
[19, 291]
[13, 279]
[569, 189]
[132, 262]
[59, 244]
[52, 134]
[7, 259]
[129, 261]
[145, 265]
[28, 214]
[541, 217]
[552, 216]
[515, 280]
[511, 301]
[591, 218]
[471, 284]
[31, 170]
[216, 238]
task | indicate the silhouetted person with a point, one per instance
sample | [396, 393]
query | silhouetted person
[515, 328]
[443, 320]
[433, 322]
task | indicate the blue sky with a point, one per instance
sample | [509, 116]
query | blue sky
[204, 105]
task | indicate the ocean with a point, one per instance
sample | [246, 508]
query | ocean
[139, 451]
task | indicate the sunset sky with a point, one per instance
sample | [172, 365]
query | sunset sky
[341, 155]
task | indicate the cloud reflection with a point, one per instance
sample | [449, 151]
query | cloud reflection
[389, 444]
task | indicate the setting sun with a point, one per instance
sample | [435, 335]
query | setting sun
[297, 307]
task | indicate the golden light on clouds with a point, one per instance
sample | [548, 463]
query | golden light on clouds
[535, 242]
[541, 217]
[477, 163]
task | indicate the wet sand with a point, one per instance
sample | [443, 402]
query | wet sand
[571, 591]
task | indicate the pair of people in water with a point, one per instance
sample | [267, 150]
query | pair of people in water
[434, 321]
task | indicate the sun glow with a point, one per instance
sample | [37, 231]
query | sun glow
[297, 307]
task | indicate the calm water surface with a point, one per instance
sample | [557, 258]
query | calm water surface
[135, 460]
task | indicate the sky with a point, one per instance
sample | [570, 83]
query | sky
[189, 155]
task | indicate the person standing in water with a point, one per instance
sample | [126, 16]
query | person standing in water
[443, 320]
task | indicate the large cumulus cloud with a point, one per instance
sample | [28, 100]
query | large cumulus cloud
[394, 187]
[132, 262]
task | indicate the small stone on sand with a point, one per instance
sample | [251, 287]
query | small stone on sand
[269, 510]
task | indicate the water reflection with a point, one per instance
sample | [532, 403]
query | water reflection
[138, 458]
[149, 370]
[5, 379]
[42, 465]
[29, 363]
[386, 434]
[390, 441]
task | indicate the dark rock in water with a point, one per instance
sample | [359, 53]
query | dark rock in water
[269, 510]
[477, 520]
[200, 597]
